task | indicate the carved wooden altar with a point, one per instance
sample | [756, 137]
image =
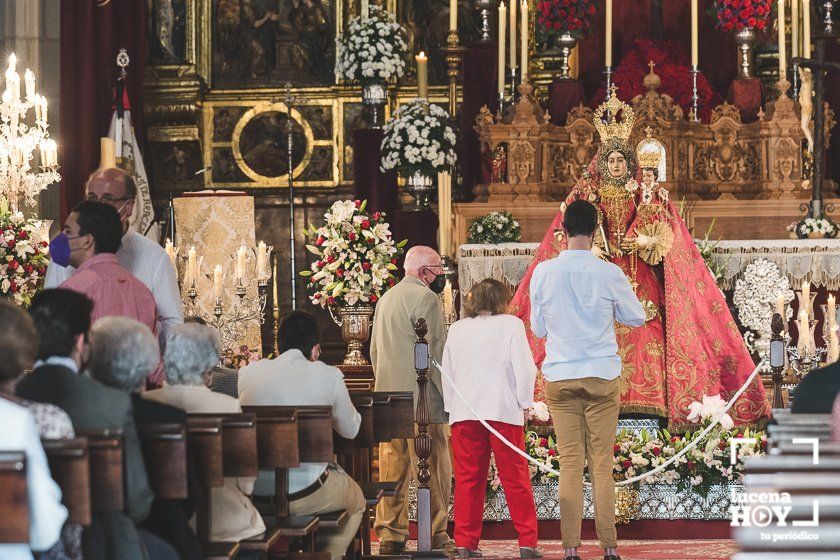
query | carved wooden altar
[536, 161]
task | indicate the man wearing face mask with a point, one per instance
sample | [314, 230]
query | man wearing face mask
[141, 256]
[89, 241]
[391, 351]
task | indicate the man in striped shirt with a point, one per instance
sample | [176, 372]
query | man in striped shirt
[141, 256]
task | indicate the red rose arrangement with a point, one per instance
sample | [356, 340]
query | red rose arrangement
[735, 15]
[23, 256]
[561, 16]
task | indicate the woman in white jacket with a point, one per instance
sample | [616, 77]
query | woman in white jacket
[488, 360]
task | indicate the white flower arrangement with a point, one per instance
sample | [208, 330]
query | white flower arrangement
[755, 295]
[371, 50]
[495, 227]
[823, 226]
[356, 254]
[418, 140]
[538, 412]
[710, 408]
[23, 255]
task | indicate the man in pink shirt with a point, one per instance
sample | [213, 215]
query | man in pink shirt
[89, 241]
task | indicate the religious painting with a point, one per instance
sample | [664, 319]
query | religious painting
[225, 169]
[264, 144]
[267, 43]
[224, 121]
[356, 116]
[175, 165]
[168, 31]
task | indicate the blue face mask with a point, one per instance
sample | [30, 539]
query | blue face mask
[60, 249]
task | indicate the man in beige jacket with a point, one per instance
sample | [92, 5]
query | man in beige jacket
[392, 354]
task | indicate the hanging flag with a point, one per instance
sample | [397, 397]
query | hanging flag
[128, 156]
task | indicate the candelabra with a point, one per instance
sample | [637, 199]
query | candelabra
[18, 141]
[449, 294]
[608, 72]
[695, 97]
[454, 54]
[229, 316]
[483, 7]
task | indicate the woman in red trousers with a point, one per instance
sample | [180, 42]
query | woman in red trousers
[488, 360]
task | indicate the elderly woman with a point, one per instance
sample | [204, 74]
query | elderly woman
[192, 351]
[488, 362]
[123, 353]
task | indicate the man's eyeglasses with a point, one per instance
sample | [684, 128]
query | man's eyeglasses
[105, 199]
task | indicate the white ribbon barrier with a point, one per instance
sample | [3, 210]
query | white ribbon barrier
[543, 467]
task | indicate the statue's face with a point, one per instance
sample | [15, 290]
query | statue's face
[617, 164]
[648, 176]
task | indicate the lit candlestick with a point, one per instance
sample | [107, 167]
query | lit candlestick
[608, 35]
[29, 77]
[453, 15]
[275, 301]
[694, 34]
[262, 261]
[192, 267]
[217, 281]
[501, 76]
[512, 49]
[422, 75]
[806, 297]
[806, 28]
[780, 306]
[36, 104]
[794, 28]
[448, 302]
[782, 48]
[523, 49]
[172, 253]
[44, 109]
[241, 259]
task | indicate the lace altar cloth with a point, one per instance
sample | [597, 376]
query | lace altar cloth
[506, 262]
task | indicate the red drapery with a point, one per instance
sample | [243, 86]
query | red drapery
[91, 37]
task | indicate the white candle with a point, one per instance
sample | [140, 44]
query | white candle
[172, 253]
[806, 28]
[29, 77]
[806, 297]
[782, 49]
[217, 281]
[780, 306]
[448, 302]
[262, 260]
[453, 15]
[422, 75]
[804, 333]
[694, 34]
[241, 259]
[794, 28]
[523, 49]
[608, 35]
[44, 109]
[831, 311]
[512, 49]
[833, 346]
[501, 76]
[365, 9]
[192, 267]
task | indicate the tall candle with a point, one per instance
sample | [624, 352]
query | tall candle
[275, 301]
[217, 281]
[608, 35]
[172, 253]
[365, 9]
[831, 312]
[804, 333]
[512, 48]
[806, 28]
[262, 260]
[241, 260]
[782, 48]
[694, 33]
[833, 346]
[501, 76]
[29, 78]
[448, 302]
[523, 49]
[794, 28]
[192, 267]
[780, 306]
[422, 75]
[453, 15]
[806, 297]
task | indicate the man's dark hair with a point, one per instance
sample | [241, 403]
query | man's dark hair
[580, 218]
[299, 330]
[102, 222]
[60, 316]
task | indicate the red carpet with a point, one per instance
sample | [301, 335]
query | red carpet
[628, 549]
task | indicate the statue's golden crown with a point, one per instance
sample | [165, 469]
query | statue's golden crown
[647, 153]
[611, 128]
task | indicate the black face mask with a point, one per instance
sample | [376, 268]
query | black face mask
[438, 284]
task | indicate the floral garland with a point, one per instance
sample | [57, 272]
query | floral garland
[356, 254]
[735, 15]
[495, 227]
[418, 140]
[555, 17]
[23, 259]
[634, 453]
[372, 50]
[754, 297]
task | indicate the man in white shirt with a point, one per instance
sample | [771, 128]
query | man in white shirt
[297, 378]
[575, 300]
[18, 344]
[138, 254]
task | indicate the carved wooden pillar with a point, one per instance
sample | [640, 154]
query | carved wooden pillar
[423, 441]
[777, 359]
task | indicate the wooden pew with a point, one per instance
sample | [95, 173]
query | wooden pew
[204, 437]
[105, 452]
[70, 468]
[802, 483]
[794, 463]
[14, 499]
[790, 448]
[165, 456]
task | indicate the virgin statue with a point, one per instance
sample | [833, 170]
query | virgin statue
[690, 345]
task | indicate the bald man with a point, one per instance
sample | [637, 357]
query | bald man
[392, 354]
[141, 256]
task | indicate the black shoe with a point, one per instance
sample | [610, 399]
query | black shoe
[612, 557]
[391, 548]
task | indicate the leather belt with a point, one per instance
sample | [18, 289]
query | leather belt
[312, 488]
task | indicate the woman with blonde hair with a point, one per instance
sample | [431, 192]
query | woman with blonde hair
[488, 360]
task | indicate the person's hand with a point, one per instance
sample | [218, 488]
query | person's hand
[274, 16]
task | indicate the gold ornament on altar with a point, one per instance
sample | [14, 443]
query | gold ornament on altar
[648, 154]
[611, 129]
